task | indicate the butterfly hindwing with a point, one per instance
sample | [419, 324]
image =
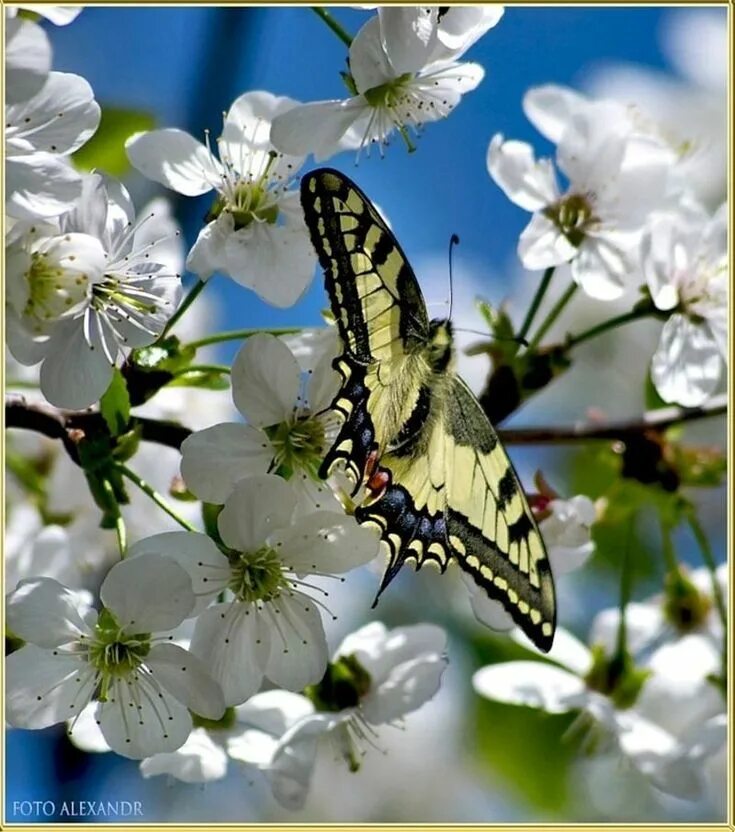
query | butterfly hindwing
[447, 489]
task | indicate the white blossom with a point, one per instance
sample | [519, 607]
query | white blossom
[255, 231]
[143, 686]
[40, 134]
[270, 627]
[628, 713]
[617, 176]
[405, 69]
[383, 675]
[289, 426]
[82, 292]
[684, 260]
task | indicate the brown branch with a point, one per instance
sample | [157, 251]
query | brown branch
[653, 420]
[57, 423]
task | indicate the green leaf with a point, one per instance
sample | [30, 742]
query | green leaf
[106, 149]
[115, 405]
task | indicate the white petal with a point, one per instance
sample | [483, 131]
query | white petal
[600, 268]
[265, 381]
[207, 255]
[325, 542]
[313, 495]
[487, 610]
[24, 347]
[45, 613]
[293, 761]
[246, 136]
[148, 594]
[369, 64]
[60, 118]
[534, 684]
[73, 374]
[184, 675]
[84, 732]
[140, 720]
[214, 459]
[644, 622]
[325, 381]
[257, 507]
[273, 711]
[525, 181]
[58, 15]
[42, 689]
[442, 90]
[687, 365]
[298, 648]
[316, 128]
[542, 244]
[41, 185]
[27, 59]
[176, 160]
[462, 26]
[199, 760]
[207, 567]
[550, 109]
[233, 644]
[567, 650]
[275, 261]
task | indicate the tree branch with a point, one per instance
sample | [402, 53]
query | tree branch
[57, 423]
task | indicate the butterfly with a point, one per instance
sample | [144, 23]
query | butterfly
[440, 485]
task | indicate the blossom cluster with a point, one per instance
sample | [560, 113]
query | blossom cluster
[174, 603]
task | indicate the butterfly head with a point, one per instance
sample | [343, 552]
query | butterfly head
[439, 351]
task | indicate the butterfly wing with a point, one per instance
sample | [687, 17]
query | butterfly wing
[380, 314]
[454, 494]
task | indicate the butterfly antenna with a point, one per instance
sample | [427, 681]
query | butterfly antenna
[453, 241]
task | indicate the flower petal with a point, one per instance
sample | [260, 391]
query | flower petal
[140, 719]
[370, 65]
[198, 760]
[207, 255]
[533, 684]
[542, 245]
[45, 613]
[74, 374]
[207, 567]
[550, 109]
[84, 732]
[600, 268]
[40, 185]
[27, 59]
[214, 459]
[265, 381]
[462, 26]
[257, 507]
[567, 650]
[275, 261]
[233, 644]
[148, 594]
[273, 711]
[183, 675]
[316, 128]
[175, 159]
[525, 181]
[298, 649]
[43, 687]
[325, 542]
[687, 366]
[487, 610]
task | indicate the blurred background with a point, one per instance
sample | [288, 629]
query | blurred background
[460, 759]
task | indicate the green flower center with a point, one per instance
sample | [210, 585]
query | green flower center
[247, 199]
[52, 288]
[572, 215]
[388, 95]
[257, 576]
[299, 445]
[616, 677]
[115, 653]
[345, 682]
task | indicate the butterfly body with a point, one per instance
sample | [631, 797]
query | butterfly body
[440, 485]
